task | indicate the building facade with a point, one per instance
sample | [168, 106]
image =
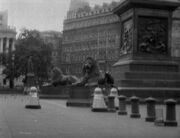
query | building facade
[90, 32]
[7, 41]
[55, 40]
[95, 32]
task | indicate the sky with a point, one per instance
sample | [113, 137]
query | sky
[39, 14]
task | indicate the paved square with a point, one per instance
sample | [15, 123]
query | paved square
[55, 120]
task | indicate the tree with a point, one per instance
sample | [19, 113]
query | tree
[7, 61]
[30, 43]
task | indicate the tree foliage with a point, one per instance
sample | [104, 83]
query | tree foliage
[30, 43]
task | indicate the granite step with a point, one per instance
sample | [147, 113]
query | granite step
[149, 75]
[146, 65]
[144, 92]
[149, 83]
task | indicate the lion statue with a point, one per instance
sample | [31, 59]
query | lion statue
[90, 72]
[58, 78]
[91, 76]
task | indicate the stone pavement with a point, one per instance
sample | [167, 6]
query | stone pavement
[55, 120]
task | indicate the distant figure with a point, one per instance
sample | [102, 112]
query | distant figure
[106, 80]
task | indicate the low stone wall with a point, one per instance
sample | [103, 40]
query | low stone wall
[156, 93]
[11, 91]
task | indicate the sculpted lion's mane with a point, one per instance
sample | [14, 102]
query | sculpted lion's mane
[90, 68]
[90, 72]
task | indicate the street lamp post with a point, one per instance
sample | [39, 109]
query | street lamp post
[11, 81]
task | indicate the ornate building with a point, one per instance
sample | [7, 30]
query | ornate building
[94, 31]
[7, 40]
[55, 39]
[90, 32]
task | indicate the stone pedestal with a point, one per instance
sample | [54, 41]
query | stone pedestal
[114, 93]
[80, 96]
[98, 103]
[122, 105]
[170, 113]
[33, 102]
[150, 109]
[31, 79]
[145, 65]
[135, 107]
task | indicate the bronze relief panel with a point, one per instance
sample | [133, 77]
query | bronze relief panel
[153, 35]
[127, 37]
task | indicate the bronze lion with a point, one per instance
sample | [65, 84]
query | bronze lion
[91, 76]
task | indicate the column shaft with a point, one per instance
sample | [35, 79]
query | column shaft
[7, 45]
[1, 45]
[13, 45]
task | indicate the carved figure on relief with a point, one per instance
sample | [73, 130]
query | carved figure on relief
[127, 37]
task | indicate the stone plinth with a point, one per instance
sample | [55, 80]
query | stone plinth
[51, 92]
[145, 66]
[31, 79]
[80, 96]
[98, 103]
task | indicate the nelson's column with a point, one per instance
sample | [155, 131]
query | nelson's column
[146, 67]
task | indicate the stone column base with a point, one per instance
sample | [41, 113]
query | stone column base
[99, 110]
[170, 123]
[122, 113]
[150, 119]
[135, 115]
[112, 110]
[33, 106]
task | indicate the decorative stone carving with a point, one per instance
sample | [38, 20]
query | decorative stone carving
[176, 38]
[127, 37]
[152, 35]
